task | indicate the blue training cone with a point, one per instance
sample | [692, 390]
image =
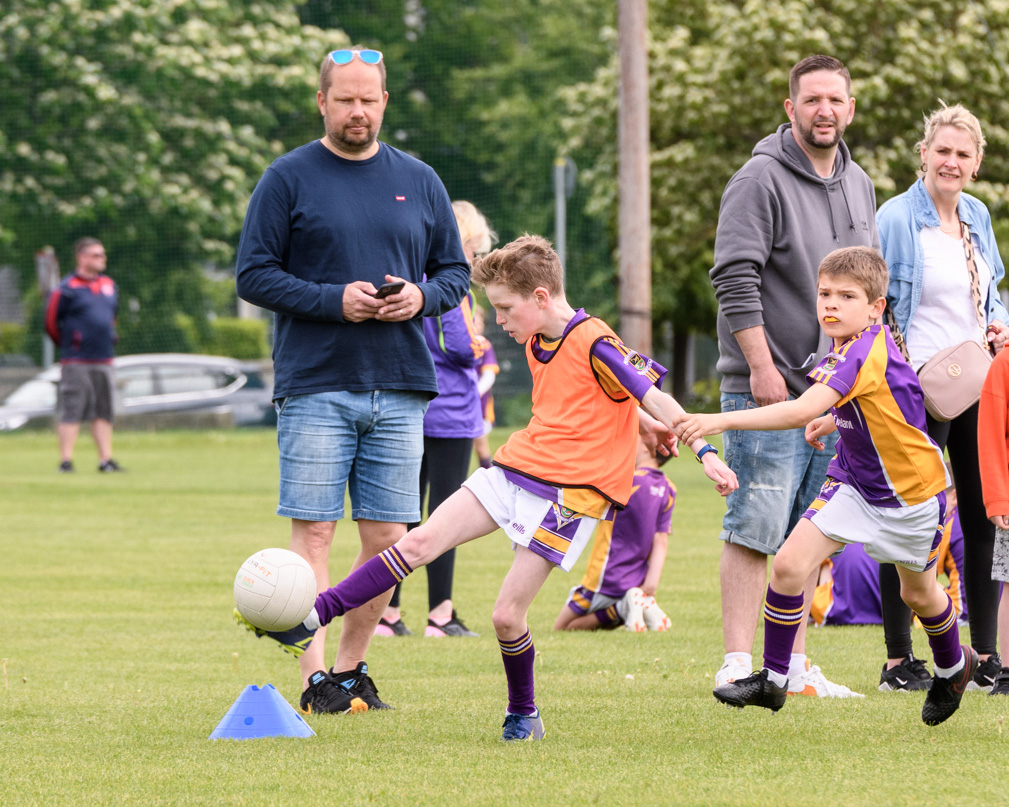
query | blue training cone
[261, 713]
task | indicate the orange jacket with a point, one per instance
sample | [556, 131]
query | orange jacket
[993, 437]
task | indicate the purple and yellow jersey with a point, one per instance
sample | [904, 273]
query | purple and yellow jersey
[487, 362]
[619, 557]
[621, 373]
[850, 594]
[884, 451]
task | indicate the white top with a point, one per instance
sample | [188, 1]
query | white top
[946, 314]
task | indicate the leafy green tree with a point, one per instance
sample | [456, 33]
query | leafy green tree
[719, 75]
[147, 123]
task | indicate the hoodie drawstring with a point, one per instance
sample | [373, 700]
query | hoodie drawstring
[847, 207]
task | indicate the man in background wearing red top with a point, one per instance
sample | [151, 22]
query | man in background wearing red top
[81, 320]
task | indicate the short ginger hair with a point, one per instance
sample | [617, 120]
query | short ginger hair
[522, 266]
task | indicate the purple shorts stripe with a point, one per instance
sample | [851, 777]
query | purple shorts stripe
[830, 487]
[933, 556]
[554, 535]
[609, 616]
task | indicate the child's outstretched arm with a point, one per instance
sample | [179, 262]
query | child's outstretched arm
[667, 411]
[783, 415]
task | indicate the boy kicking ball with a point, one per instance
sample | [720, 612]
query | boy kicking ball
[553, 481]
[885, 487]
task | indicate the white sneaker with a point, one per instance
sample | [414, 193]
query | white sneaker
[655, 617]
[735, 669]
[813, 682]
[634, 606]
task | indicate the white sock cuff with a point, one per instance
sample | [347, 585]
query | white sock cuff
[746, 659]
[796, 664]
[949, 672]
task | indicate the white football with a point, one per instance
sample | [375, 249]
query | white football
[275, 589]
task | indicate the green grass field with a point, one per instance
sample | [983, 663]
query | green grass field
[120, 658]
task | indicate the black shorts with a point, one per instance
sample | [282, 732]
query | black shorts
[85, 393]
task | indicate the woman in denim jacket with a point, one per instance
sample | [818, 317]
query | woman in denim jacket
[921, 235]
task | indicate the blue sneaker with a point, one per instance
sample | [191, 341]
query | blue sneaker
[523, 727]
[293, 641]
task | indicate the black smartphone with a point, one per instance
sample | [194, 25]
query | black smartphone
[389, 288]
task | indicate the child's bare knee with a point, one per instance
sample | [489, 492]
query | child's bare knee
[416, 547]
[786, 576]
[915, 599]
[506, 620]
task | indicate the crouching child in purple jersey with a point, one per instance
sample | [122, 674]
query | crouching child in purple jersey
[627, 557]
[885, 487]
[553, 481]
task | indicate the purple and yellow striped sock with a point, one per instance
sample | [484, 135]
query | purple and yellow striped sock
[943, 636]
[518, 656]
[365, 583]
[782, 618]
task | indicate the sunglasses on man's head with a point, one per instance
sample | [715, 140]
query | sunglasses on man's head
[346, 56]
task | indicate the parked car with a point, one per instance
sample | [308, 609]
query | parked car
[173, 389]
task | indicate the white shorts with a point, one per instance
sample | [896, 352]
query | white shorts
[907, 536]
[556, 533]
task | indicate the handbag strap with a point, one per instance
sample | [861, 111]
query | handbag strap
[898, 337]
[975, 283]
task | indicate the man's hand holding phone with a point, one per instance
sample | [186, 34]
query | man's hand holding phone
[359, 301]
[389, 288]
[399, 304]
[396, 300]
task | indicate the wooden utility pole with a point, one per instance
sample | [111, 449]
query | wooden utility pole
[634, 178]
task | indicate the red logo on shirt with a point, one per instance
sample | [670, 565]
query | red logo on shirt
[400, 198]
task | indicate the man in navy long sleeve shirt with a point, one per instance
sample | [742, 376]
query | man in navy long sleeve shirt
[327, 225]
[80, 318]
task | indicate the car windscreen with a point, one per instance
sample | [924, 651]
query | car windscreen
[33, 393]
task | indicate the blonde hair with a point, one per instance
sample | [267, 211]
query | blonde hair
[863, 265]
[522, 266]
[473, 227]
[957, 116]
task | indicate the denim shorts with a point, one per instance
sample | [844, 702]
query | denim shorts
[779, 474]
[372, 441]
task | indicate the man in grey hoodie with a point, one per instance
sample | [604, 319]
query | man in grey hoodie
[798, 198]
